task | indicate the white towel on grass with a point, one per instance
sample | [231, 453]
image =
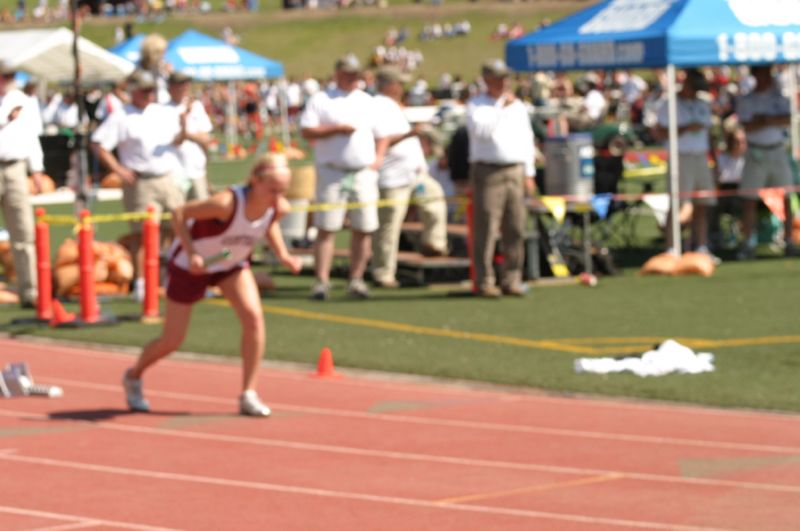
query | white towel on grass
[669, 357]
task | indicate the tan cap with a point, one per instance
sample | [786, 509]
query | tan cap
[141, 80]
[349, 63]
[496, 68]
[388, 74]
[179, 77]
[6, 69]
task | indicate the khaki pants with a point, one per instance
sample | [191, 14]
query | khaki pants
[498, 199]
[198, 189]
[386, 240]
[19, 221]
[160, 192]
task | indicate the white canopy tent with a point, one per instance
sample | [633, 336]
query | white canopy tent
[47, 54]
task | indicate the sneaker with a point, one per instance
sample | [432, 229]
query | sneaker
[489, 292]
[386, 284]
[252, 406]
[357, 289]
[320, 291]
[515, 290]
[134, 394]
[714, 258]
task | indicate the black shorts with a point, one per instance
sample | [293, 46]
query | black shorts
[186, 288]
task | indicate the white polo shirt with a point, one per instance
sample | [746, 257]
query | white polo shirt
[143, 138]
[336, 107]
[403, 160]
[689, 111]
[765, 103]
[500, 134]
[19, 138]
[192, 156]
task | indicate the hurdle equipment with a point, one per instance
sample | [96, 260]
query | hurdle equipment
[16, 380]
[150, 238]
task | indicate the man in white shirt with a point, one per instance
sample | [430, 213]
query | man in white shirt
[501, 155]
[694, 124]
[403, 173]
[145, 134]
[20, 152]
[765, 114]
[342, 124]
[195, 132]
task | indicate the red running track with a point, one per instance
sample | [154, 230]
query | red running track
[370, 453]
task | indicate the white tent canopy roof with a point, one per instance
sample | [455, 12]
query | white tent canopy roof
[47, 54]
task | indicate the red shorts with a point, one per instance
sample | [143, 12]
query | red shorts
[186, 288]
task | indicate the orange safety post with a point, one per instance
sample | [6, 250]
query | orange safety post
[90, 312]
[471, 241]
[44, 271]
[150, 239]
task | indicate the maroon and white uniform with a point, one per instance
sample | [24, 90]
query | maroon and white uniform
[210, 237]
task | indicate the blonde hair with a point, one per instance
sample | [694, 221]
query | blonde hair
[268, 163]
[153, 48]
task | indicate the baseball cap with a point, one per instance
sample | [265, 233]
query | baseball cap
[141, 80]
[179, 77]
[6, 69]
[392, 74]
[349, 63]
[495, 67]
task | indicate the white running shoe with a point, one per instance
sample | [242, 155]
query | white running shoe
[357, 289]
[252, 406]
[134, 394]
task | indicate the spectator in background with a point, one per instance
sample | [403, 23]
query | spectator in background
[194, 138]
[730, 167]
[694, 125]
[765, 115]
[342, 124]
[402, 174]
[114, 100]
[501, 155]
[154, 46]
[144, 135]
[62, 112]
[20, 152]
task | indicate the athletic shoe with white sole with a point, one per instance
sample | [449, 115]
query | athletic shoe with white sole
[357, 289]
[320, 291]
[252, 406]
[134, 394]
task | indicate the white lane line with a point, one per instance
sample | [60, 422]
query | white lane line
[441, 387]
[65, 527]
[75, 518]
[424, 458]
[466, 424]
[394, 500]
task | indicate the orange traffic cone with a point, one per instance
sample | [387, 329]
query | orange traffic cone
[325, 365]
[60, 315]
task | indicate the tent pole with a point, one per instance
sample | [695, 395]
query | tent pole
[674, 170]
[231, 116]
[82, 166]
[284, 107]
[793, 101]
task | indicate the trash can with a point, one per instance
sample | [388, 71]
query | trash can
[570, 166]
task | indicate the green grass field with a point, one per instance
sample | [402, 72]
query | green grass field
[746, 315]
[309, 42]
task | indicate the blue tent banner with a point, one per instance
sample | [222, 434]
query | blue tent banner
[656, 33]
[130, 49]
[208, 59]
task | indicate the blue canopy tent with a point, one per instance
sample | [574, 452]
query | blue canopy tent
[667, 33]
[130, 49]
[208, 59]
